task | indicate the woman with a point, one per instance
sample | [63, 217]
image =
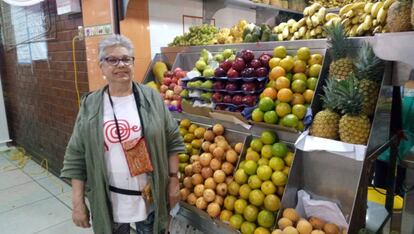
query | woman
[97, 154]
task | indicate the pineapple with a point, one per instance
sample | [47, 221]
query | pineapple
[341, 65]
[354, 125]
[399, 16]
[368, 69]
[326, 122]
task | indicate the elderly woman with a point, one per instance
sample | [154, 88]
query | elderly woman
[124, 141]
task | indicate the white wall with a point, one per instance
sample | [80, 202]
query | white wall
[166, 19]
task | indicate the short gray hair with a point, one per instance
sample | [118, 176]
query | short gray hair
[115, 40]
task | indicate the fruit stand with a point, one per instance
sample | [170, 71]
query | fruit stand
[325, 174]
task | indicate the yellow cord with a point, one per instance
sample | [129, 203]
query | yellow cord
[75, 68]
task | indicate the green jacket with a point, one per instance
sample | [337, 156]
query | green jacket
[85, 151]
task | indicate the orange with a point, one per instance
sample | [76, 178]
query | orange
[276, 72]
[270, 92]
[308, 95]
[286, 95]
[287, 63]
[274, 62]
[283, 109]
[282, 82]
[297, 99]
[299, 66]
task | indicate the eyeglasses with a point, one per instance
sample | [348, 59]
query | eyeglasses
[114, 61]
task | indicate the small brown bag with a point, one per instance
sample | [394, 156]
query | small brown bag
[137, 156]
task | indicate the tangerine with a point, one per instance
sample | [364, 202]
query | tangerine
[282, 82]
[270, 92]
[276, 72]
[285, 95]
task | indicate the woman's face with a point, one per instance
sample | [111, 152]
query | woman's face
[117, 65]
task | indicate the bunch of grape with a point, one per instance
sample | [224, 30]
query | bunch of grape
[204, 34]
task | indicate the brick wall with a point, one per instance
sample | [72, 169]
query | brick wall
[40, 98]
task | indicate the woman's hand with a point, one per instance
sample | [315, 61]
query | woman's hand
[80, 215]
[173, 191]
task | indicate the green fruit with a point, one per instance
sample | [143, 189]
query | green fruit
[279, 150]
[270, 117]
[227, 53]
[311, 83]
[257, 115]
[200, 65]
[266, 219]
[290, 120]
[256, 144]
[250, 167]
[266, 104]
[268, 137]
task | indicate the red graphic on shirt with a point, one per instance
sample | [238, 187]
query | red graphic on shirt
[111, 134]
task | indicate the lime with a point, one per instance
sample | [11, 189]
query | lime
[279, 52]
[244, 191]
[240, 176]
[257, 115]
[314, 70]
[272, 202]
[254, 182]
[236, 221]
[250, 213]
[300, 76]
[233, 188]
[279, 178]
[268, 137]
[261, 230]
[270, 117]
[311, 83]
[268, 187]
[264, 161]
[303, 53]
[250, 167]
[256, 197]
[289, 159]
[239, 206]
[252, 155]
[298, 86]
[299, 110]
[290, 120]
[256, 144]
[264, 172]
[277, 164]
[279, 150]
[225, 215]
[229, 202]
[247, 227]
[266, 104]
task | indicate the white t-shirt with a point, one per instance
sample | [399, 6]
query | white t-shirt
[126, 208]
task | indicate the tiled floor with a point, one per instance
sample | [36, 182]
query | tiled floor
[32, 201]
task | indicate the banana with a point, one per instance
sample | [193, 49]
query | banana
[375, 8]
[313, 33]
[285, 32]
[362, 18]
[350, 14]
[306, 11]
[345, 22]
[360, 30]
[291, 22]
[315, 20]
[308, 22]
[374, 23]
[321, 14]
[382, 15]
[353, 31]
[368, 7]
[348, 29]
[318, 30]
[307, 34]
[301, 22]
[345, 9]
[279, 37]
[355, 19]
[387, 4]
[367, 22]
[292, 30]
[329, 16]
[296, 35]
[378, 29]
[302, 31]
[358, 5]
[329, 23]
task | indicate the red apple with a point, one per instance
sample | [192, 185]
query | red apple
[255, 63]
[227, 99]
[264, 59]
[221, 107]
[232, 87]
[261, 72]
[217, 97]
[232, 73]
[249, 86]
[172, 85]
[237, 99]
[248, 72]
[181, 74]
[174, 80]
[167, 81]
[238, 64]
[249, 100]
[247, 55]
[219, 72]
[219, 85]
[178, 89]
[226, 65]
